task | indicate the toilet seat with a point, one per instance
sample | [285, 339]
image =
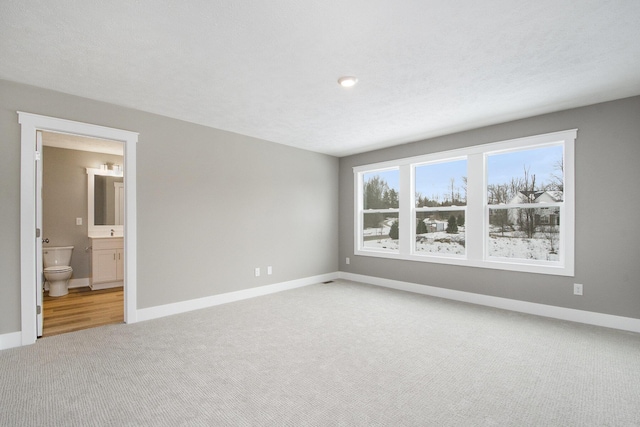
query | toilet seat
[58, 269]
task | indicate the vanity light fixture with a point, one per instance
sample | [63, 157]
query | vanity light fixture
[347, 81]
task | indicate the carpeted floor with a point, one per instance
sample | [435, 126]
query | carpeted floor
[327, 355]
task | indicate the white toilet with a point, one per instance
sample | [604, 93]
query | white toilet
[57, 269]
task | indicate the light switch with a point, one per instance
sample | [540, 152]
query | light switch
[78, 221]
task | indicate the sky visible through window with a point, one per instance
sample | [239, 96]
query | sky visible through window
[435, 179]
[540, 161]
[391, 177]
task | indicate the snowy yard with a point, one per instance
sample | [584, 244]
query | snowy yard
[441, 242]
[514, 245]
[511, 245]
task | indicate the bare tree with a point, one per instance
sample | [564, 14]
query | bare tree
[464, 188]
[514, 187]
[557, 178]
[453, 196]
[551, 234]
[528, 215]
[499, 194]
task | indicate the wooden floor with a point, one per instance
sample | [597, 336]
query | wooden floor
[82, 308]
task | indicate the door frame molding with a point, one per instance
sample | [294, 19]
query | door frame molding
[29, 124]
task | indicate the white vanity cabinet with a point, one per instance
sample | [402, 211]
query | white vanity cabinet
[107, 262]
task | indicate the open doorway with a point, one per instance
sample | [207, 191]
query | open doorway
[30, 228]
[82, 204]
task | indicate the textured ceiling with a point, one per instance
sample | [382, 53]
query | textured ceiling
[269, 69]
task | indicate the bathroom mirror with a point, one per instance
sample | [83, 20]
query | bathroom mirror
[108, 196]
[105, 202]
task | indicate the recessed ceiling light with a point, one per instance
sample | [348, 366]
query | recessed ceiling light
[347, 81]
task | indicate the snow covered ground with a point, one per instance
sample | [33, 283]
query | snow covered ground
[382, 244]
[441, 242]
[514, 245]
[511, 245]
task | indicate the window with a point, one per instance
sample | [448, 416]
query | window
[381, 204]
[525, 202]
[506, 205]
[440, 207]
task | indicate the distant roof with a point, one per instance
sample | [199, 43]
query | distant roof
[556, 195]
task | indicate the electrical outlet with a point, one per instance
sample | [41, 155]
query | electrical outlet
[348, 261]
[78, 221]
[269, 270]
[577, 289]
[257, 271]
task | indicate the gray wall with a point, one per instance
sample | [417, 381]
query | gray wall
[212, 205]
[64, 198]
[607, 207]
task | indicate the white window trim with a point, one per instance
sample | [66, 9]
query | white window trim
[360, 208]
[477, 210]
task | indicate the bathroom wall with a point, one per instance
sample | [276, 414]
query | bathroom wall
[64, 198]
[607, 229]
[212, 205]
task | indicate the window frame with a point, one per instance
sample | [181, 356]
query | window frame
[477, 208]
[415, 209]
[361, 211]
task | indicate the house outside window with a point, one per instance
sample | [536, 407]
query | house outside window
[525, 198]
[505, 205]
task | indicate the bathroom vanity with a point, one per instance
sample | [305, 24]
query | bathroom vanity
[107, 262]
[105, 217]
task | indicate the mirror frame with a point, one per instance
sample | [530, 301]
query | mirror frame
[93, 229]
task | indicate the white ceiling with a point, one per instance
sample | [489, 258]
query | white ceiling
[268, 69]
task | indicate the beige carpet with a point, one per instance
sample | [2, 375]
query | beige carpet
[326, 355]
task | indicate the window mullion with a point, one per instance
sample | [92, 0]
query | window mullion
[358, 220]
[476, 216]
[407, 191]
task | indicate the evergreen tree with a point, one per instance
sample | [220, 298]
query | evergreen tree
[390, 198]
[374, 193]
[393, 232]
[452, 227]
[421, 227]
[461, 219]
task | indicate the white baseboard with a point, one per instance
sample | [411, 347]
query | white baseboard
[14, 339]
[196, 304]
[73, 283]
[79, 283]
[10, 340]
[580, 316]
[108, 285]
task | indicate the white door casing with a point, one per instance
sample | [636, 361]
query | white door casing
[119, 202]
[39, 236]
[29, 125]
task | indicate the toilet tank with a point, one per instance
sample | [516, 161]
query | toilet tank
[56, 255]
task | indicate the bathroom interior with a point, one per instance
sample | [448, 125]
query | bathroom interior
[82, 232]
